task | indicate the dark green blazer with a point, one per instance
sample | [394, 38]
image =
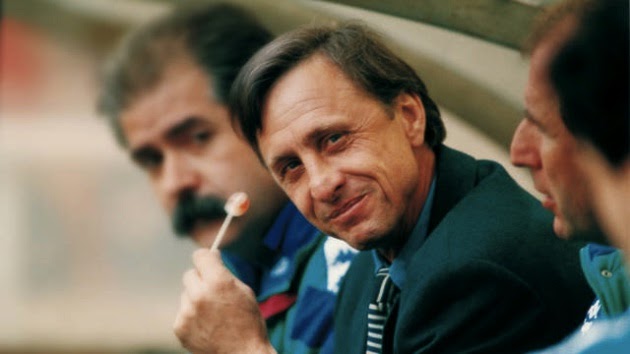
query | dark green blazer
[491, 276]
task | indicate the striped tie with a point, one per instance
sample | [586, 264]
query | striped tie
[383, 300]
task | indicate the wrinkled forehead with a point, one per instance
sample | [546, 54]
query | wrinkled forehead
[315, 83]
[312, 97]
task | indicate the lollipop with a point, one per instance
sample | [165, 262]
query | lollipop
[236, 205]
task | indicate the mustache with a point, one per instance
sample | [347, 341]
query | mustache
[191, 209]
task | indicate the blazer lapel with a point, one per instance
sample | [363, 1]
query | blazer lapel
[455, 177]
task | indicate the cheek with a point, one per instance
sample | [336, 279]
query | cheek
[561, 168]
[166, 201]
[398, 177]
[551, 156]
[220, 176]
[233, 162]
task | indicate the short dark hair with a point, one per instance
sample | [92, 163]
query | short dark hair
[357, 51]
[590, 75]
[220, 38]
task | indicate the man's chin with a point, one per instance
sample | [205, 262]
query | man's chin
[585, 231]
[560, 228]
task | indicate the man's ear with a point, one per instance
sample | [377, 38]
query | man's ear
[411, 111]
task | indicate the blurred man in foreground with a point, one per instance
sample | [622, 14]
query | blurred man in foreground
[164, 95]
[543, 144]
[589, 73]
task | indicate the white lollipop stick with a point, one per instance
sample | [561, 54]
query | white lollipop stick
[236, 205]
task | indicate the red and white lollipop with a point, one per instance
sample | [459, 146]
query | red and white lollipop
[236, 205]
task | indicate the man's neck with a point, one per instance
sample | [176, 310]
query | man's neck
[415, 205]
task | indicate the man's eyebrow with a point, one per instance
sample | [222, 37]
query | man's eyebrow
[172, 133]
[310, 139]
[323, 130]
[280, 159]
[182, 127]
[313, 137]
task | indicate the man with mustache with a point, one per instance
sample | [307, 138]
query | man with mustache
[544, 144]
[456, 257]
[164, 95]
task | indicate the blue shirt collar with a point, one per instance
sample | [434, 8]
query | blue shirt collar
[289, 232]
[398, 268]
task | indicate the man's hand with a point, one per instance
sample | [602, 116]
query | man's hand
[218, 313]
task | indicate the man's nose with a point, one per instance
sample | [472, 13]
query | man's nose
[179, 175]
[325, 182]
[525, 147]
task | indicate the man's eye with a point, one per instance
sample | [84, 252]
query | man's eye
[201, 137]
[333, 138]
[289, 166]
[289, 170]
[149, 160]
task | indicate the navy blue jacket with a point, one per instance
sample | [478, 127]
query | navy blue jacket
[491, 276]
